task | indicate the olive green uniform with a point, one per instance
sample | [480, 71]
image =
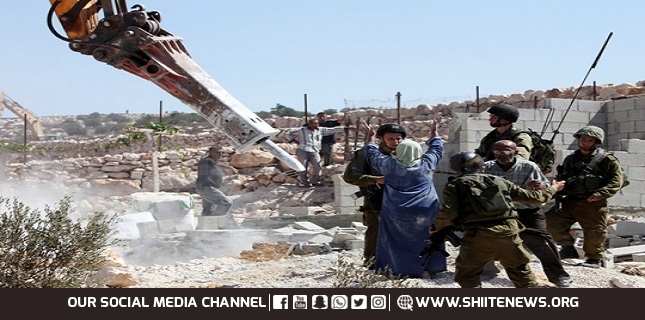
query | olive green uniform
[522, 140]
[486, 240]
[358, 172]
[603, 181]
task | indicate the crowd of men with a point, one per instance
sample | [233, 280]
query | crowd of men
[401, 207]
[519, 226]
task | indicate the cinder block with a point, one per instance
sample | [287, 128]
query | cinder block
[359, 226]
[628, 228]
[638, 257]
[616, 242]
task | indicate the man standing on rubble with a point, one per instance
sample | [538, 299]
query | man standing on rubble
[209, 182]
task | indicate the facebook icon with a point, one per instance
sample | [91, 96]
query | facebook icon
[280, 302]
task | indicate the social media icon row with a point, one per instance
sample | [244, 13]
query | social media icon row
[358, 302]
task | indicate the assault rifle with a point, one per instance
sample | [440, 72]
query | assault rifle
[435, 242]
[559, 196]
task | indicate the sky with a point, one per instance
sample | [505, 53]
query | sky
[335, 54]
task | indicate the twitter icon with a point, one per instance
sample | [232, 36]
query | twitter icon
[359, 302]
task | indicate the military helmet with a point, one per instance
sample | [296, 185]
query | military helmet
[390, 127]
[505, 111]
[591, 131]
[466, 162]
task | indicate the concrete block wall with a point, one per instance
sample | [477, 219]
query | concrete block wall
[343, 191]
[622, 120]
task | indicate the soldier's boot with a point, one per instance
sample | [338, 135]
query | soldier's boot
[569, 252]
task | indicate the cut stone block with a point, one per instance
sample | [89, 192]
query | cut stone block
[638, 257]
[127, 228]
[628, 228]
[354, 244]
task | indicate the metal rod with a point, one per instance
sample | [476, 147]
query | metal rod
[575, 95]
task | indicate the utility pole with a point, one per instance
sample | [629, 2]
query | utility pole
[306, 120]
[477, 98]
[398, 107]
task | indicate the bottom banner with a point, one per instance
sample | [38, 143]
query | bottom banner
[325, 302]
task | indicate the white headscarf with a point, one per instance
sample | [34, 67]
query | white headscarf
[408, 153]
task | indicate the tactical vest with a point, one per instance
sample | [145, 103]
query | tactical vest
[579, 182]
[486, 198]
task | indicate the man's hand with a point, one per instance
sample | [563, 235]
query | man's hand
[558, 185]
[370, 131]
[435, 124]
[535, 184]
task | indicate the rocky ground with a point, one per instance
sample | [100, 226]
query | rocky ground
[342, 269]
[273, 265]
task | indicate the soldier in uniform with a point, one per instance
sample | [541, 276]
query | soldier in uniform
[585, 197]
[502, 118]
[490, 237]
[370, 181]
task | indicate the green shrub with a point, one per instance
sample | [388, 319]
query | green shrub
[49, 250]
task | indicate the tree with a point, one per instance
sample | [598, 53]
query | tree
[73, 128]
[49, 250]
[284, 111]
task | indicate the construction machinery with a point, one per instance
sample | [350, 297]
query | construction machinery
[132, 39]
[35, 127]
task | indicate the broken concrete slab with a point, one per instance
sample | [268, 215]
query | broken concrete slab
[630, 227]
[622, 252]
[324, 221]
[306, 225]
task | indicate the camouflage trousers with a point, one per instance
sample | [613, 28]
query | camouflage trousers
[371, 221]
[592, 217]
[476, 250]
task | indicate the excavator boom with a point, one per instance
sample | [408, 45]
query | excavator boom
[133, 40]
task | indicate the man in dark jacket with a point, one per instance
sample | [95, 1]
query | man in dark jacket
[209, 180]
[327, 142]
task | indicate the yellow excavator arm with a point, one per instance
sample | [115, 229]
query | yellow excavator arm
[78, 18]
[132, 39]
